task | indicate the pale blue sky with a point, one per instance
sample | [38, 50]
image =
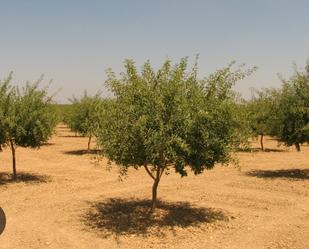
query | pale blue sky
[75, 41]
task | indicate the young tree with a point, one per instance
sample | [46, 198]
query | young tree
[85, 115]
[170, 119]
[28, 120]
[262, 110]
[293, 109]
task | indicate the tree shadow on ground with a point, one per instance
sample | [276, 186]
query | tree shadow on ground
[273, 150]
[71, 136]
[48, 144]
[131, 216]
[6, 178]
[82, 152]
[296, 174]
[260, 150]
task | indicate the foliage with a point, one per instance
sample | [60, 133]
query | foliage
[85, 115]
[293, 109]
[4, 92]
[63, 111]
[28, 117]
[33, 120]
[242, 119]
[263, 114]
[170, 119]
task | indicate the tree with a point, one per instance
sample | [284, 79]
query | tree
[293, 109]
[169, 119]
[85, 115]
[4, 92]
[262, 111]
[28, 118]
[63, 112]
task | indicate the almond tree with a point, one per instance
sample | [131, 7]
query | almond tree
[263, 113]
[28, 118]
[4, 92]
[169, 119]
[85, 115]
[293, 109]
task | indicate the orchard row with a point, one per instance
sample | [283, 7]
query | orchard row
[162, 120]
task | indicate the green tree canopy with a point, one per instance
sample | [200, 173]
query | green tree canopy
[28, 117]
[293, 109]
[263, 113]
[85, 115]
[169, 118]
[4, 93]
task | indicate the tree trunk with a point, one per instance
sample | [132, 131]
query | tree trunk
[89, 141]
[262, 144]
[13, 159]
[297, 145]
[155, 188]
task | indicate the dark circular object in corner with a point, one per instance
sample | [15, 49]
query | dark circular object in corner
[2, 220]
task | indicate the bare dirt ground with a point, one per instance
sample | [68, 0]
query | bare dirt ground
[64, 200]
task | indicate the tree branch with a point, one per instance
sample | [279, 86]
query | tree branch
[161, 173]
[149, 172]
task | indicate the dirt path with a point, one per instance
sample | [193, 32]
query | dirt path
[67, 201]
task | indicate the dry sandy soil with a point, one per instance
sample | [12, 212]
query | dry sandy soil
[63, 199]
